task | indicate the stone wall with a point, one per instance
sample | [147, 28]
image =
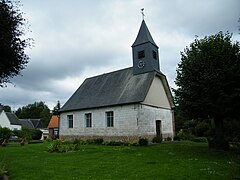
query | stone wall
[130, 123]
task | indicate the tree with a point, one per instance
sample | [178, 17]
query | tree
[208, 79]
[35, 111]
[12, 45]
[6, 108]
[5, 133]
[56, 108]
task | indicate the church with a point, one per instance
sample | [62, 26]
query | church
[123, 105]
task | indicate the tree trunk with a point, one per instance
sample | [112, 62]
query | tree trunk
[218, 141]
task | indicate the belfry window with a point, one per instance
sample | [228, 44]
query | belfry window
[141, 54]
[154, 53]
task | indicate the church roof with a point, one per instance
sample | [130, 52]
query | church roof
[143, 36]
[114, 88]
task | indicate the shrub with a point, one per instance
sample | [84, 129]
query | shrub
[143, 142]
[36, 134]
[5, 133]
[202, 128]
[157, 139]
[168, 139]
[184, 134]
[63, 146]
[98, 141]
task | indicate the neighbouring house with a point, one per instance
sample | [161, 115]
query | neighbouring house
[31, 123]
[125, 104]
[9, 120]
[53, 127]
[45, 133]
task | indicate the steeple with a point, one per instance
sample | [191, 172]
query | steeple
[143, 36]
[145, 52]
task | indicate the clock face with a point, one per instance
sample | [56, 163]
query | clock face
[141, 64]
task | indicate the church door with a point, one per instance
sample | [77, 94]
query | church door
[158, 127]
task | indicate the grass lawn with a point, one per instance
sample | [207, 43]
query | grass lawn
[172, 160]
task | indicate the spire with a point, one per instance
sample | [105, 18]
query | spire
[143, 36]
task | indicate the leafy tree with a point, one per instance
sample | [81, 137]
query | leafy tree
[208, 79]
[56, 108]
[6, 108]
[35, 111]
[12, 45]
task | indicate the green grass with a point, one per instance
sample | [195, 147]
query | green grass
[172, 160]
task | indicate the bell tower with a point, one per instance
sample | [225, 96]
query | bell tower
[145, 52]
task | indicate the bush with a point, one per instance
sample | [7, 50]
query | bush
[168, 139]
[157, 139]
[36, 134]
[143, 142]
[184, 134]
[202, 128]
[98, 141]
[5, 133]
[63, 146]
[28, 134]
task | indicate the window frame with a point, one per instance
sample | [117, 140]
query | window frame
[88, 120]
[141, 54]
[70, 125]
[154, 54]
[109, 118]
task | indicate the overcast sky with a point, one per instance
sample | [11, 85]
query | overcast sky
[77, 39]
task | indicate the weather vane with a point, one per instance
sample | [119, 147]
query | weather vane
[142, 13]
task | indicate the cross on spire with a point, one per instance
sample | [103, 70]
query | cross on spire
[142, 13]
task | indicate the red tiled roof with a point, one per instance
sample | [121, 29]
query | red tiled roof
[53, 122]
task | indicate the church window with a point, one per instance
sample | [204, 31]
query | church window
[109, 118]
[141, 54]
[88, 118]
[70, 121]
[154, 53]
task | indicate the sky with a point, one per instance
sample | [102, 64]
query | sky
[78, 39]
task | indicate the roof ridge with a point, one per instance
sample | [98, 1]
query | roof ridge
[108, 73]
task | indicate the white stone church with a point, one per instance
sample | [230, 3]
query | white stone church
[125, 104]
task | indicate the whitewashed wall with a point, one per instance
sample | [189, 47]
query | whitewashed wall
[4, 122]
[129, 120]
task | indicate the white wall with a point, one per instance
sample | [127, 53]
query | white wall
[4, 122]
[125, 122]
[129, 120]
[147, 120]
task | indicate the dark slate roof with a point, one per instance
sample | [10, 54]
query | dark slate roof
[115, 88]
[26, 123]
[143, 36]
[13, 119]
[36, 123]
[31, 123]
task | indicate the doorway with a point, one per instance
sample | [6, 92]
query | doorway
[158, 127]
